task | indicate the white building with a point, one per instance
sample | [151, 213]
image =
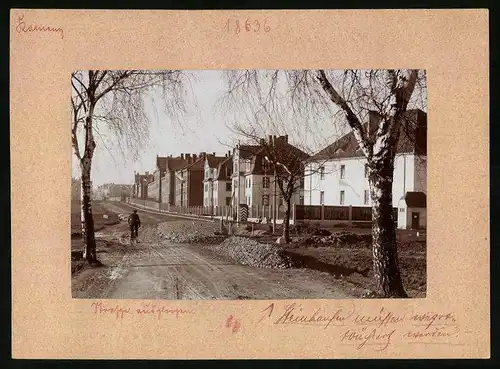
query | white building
[256, 175]
[337, 175]
[217, 188]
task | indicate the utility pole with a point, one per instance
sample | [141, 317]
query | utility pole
[274, 201]
[238, 185]
[159, 190]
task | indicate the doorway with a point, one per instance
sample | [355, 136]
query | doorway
[415, 220]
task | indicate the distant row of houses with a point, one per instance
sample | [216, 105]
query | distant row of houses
[112, 191]
[336, 175]
[207, 179]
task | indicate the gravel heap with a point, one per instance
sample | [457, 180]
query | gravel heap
[252, 253]
[190, 232]
[341, 239]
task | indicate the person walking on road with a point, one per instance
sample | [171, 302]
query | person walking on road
[134, 222]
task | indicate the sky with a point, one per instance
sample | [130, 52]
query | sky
[204, 131]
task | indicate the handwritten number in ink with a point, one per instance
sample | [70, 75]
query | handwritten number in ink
[266, 27]
[237, 26]
[257, 24]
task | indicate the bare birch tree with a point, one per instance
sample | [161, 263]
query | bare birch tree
[346, 97]
[116, 99]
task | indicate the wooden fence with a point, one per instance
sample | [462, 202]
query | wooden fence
[329, 212]
[297, 212]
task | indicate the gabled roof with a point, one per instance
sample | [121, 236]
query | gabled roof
[412, 138]
[247, 151]
[214, 161]
[416, 200]
[283, 152]
[161, 162]
[222, 172]
[176, 163]
[198, 164]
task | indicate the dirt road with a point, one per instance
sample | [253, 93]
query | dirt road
[160, 269]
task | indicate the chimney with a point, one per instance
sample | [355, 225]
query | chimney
[229, 154]
[270, 140]
[194, 157]
[188, 158]
[262, 142]
[286, 138]
[213, 154]
[182, 156]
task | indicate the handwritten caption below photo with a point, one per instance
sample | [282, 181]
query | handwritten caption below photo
[374, 331]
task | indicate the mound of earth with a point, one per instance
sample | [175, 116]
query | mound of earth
[341, 239]
[252, 253]
[190, 232]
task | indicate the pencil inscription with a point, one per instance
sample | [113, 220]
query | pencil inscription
[22, 27]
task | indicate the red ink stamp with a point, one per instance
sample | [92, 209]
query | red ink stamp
[233, 324]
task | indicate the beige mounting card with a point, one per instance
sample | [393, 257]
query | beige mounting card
[451, 45]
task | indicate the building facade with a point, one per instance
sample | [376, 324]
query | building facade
[257, 178]
[217, 181]
[338, 175]
[189, 182]
[140, 187]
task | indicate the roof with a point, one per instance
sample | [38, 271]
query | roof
[247, 151]
[161, 162]
[412, 138]
[222, 173]
[176, 163]
[283, 152]
[214, 161]
[198, 164]
[416, 200]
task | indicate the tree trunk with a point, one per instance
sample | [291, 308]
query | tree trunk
[286, 220]
[89, 252]
[385, 257]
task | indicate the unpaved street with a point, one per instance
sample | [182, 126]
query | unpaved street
[159, 269]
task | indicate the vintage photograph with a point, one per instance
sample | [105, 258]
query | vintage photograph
[249, 184]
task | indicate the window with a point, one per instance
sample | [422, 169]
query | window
[401, 210]
[265, 199]
[265, 182]
[228, 201]
[322, 197]
[249, 182]
[342, 171]
[366, 170]
[367, 197]
[342, 197]
[228, 186]
[322, 172]
[206, 187]
[265, 164]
